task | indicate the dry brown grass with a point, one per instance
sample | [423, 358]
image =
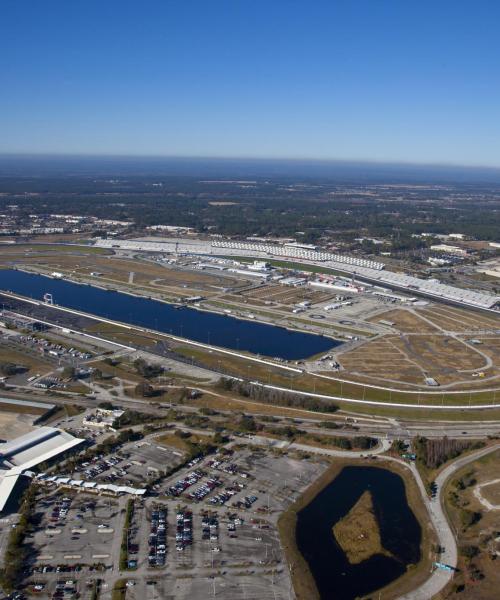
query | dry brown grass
[147, 275]
[481, 534]
[182, 445]
[457, 319]
[492, 493]
[358, 533]
[13, 409]
[19, 357]
[409, 359]
[406, 321]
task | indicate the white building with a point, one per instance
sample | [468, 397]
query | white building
[27, 451]
[103, 418]
[449, 249]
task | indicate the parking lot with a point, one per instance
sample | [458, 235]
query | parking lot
[216, 533]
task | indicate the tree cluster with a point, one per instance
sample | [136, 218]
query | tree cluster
[435, 452]
[277, 397]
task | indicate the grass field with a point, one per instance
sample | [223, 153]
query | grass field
[424, 350]
[492, 493]
[8, 251]
[18, 357]
[178, 443]
[460, 320]
[241, 367]
[478, 577]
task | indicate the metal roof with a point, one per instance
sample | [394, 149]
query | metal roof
[29, 450]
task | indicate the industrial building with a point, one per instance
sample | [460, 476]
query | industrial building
[27, 451]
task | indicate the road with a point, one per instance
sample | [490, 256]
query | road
[446, 536]
[259, 440]
[439, 578]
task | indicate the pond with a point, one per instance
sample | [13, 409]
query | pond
[200, 326]
[400, 533]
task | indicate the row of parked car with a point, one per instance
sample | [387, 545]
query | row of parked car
[222, 497]
[210, 530]
[65, 589]
[205, 488]
[158, 538]
[98, 466]
[184, 530]
[60, 510]
[185, 483]
[246, 502]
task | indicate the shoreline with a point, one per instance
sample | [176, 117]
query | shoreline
[300, 573]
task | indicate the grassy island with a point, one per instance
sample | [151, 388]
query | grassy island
[358, 533]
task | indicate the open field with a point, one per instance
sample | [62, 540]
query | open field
[492, 493]
[20, 251]
[405, 321]
[478, 577]
[424, 349]
[14, 424]
[286, 295]
[171, 440]
[18, 357]
[136, 274]
[460, 320]
[297, 382]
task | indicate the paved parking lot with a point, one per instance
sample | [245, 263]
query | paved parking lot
[189, 547]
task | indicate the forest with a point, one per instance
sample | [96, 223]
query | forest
[306, 209]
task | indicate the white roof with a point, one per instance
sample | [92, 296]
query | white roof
[29, 450]
[7, 482]
[37, 446]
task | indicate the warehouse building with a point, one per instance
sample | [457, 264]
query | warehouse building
[27, 451]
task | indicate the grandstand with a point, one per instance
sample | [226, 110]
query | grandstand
[368, 270]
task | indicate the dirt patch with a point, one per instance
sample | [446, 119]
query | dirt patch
[14, 424]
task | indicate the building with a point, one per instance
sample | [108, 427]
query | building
[103, 418]
[27, 451]
[449, 249]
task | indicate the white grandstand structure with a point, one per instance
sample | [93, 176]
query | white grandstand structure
[368, 270]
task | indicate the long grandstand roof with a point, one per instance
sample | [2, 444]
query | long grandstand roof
[372, 271]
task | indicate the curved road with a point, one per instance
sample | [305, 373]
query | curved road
[439, 578]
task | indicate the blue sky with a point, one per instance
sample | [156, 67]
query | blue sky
[342, 79]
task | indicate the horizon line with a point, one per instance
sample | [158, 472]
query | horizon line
[360, 161]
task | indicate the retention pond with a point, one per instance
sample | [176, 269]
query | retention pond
[335, 575]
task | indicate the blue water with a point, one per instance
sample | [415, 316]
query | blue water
[336, 578]
[219, 330]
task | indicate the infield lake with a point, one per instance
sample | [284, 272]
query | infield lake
[200, 326]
